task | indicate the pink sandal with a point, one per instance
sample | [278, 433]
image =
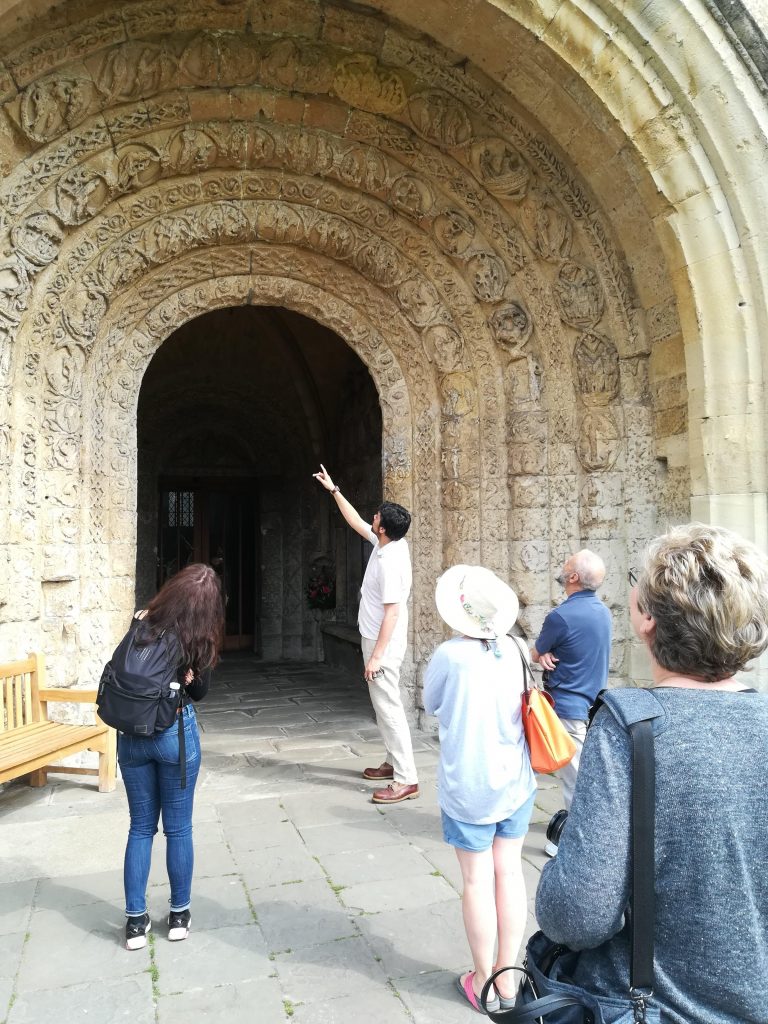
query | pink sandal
[466, 989]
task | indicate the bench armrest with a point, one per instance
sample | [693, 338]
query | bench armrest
[68, 696]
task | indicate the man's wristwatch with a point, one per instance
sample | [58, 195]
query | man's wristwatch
[334, 490]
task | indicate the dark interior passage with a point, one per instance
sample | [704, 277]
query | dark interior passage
[236, 410]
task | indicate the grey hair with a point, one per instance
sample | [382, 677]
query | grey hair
[590, 567]
[707, 590]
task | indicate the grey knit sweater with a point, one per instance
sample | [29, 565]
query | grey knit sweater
[711, 933]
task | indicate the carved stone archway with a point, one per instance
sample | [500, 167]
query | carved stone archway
[360, 177]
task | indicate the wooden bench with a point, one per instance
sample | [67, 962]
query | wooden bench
[29, 742]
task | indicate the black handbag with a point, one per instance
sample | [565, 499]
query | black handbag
[547, 992]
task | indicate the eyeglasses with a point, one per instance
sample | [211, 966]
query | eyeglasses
[632, 577]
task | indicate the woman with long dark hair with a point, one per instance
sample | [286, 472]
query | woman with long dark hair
[188, 613]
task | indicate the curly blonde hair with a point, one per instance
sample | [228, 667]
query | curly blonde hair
[707, 590]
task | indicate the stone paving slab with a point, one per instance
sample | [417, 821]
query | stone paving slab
[249, 1002]
[99, 1001]
[310, 904]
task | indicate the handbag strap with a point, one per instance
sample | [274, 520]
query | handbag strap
[526, 667]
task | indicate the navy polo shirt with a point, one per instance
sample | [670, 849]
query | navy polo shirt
[578, 633]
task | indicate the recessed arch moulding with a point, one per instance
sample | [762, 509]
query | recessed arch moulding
[166, 162]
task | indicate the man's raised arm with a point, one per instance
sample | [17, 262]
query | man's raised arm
[348, 510]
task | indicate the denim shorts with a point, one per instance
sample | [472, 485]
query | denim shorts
[478, 838]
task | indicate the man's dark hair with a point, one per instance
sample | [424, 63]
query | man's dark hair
[395, 519]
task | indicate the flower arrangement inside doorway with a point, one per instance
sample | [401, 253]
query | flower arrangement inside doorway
[321, 589]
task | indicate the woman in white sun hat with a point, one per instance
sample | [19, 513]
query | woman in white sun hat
[486, 787]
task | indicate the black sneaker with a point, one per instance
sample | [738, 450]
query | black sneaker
[136, 931]
[179, 923]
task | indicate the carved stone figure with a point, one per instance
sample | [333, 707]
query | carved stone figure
[419, 300]
[596, 369]
[459, 397]
[309, 153]
[278, 222]
[512, 327]
[52, 105]
[262, 146]
[579, 295]
[412, 195]
[438, 118]
[81, 193]
[173, 235]
[488, 276]
[200, 59]
[37, 239]
[332, 236]
[224, 222]
[136, 69]
[14, 288]
[381, 263]
[500, 168]
[364, 166]
[84, 309]
[63, 372]
[279, 64]
[453, 231]
[137, 166]
[546, 226]
[192, 150]
[363, 84]
[444, 347]
[599, 441]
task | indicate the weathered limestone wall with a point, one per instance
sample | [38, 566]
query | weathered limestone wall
[533, 236]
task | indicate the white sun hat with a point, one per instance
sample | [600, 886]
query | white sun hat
[475, 602]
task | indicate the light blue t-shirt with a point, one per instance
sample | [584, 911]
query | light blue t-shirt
[485, 773]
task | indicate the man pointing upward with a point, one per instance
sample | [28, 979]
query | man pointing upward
[383, 623]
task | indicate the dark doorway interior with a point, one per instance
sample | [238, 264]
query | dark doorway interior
[216, 522]
[236, 410]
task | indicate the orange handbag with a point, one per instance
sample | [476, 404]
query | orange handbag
[549, 745]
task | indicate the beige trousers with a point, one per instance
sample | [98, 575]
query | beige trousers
[390, 713]
[577, 730]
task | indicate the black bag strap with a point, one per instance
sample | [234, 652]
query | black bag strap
[643, 897]
[643, 858]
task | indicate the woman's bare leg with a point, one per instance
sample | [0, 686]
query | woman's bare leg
[479, 911]
[511, 908]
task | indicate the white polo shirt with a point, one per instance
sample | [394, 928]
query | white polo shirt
[387, 580]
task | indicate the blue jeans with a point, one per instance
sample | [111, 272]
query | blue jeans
[150, 770]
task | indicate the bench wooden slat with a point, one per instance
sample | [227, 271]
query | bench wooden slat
[29, 742]
[17, 750]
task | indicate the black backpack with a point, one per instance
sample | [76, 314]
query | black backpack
[139, 692]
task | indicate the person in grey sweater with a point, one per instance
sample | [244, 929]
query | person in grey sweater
[486, 787]
[700, 605]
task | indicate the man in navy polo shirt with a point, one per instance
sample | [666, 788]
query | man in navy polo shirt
[574, 647]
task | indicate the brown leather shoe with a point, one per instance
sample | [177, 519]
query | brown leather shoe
[384, 771]
[395, 793]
